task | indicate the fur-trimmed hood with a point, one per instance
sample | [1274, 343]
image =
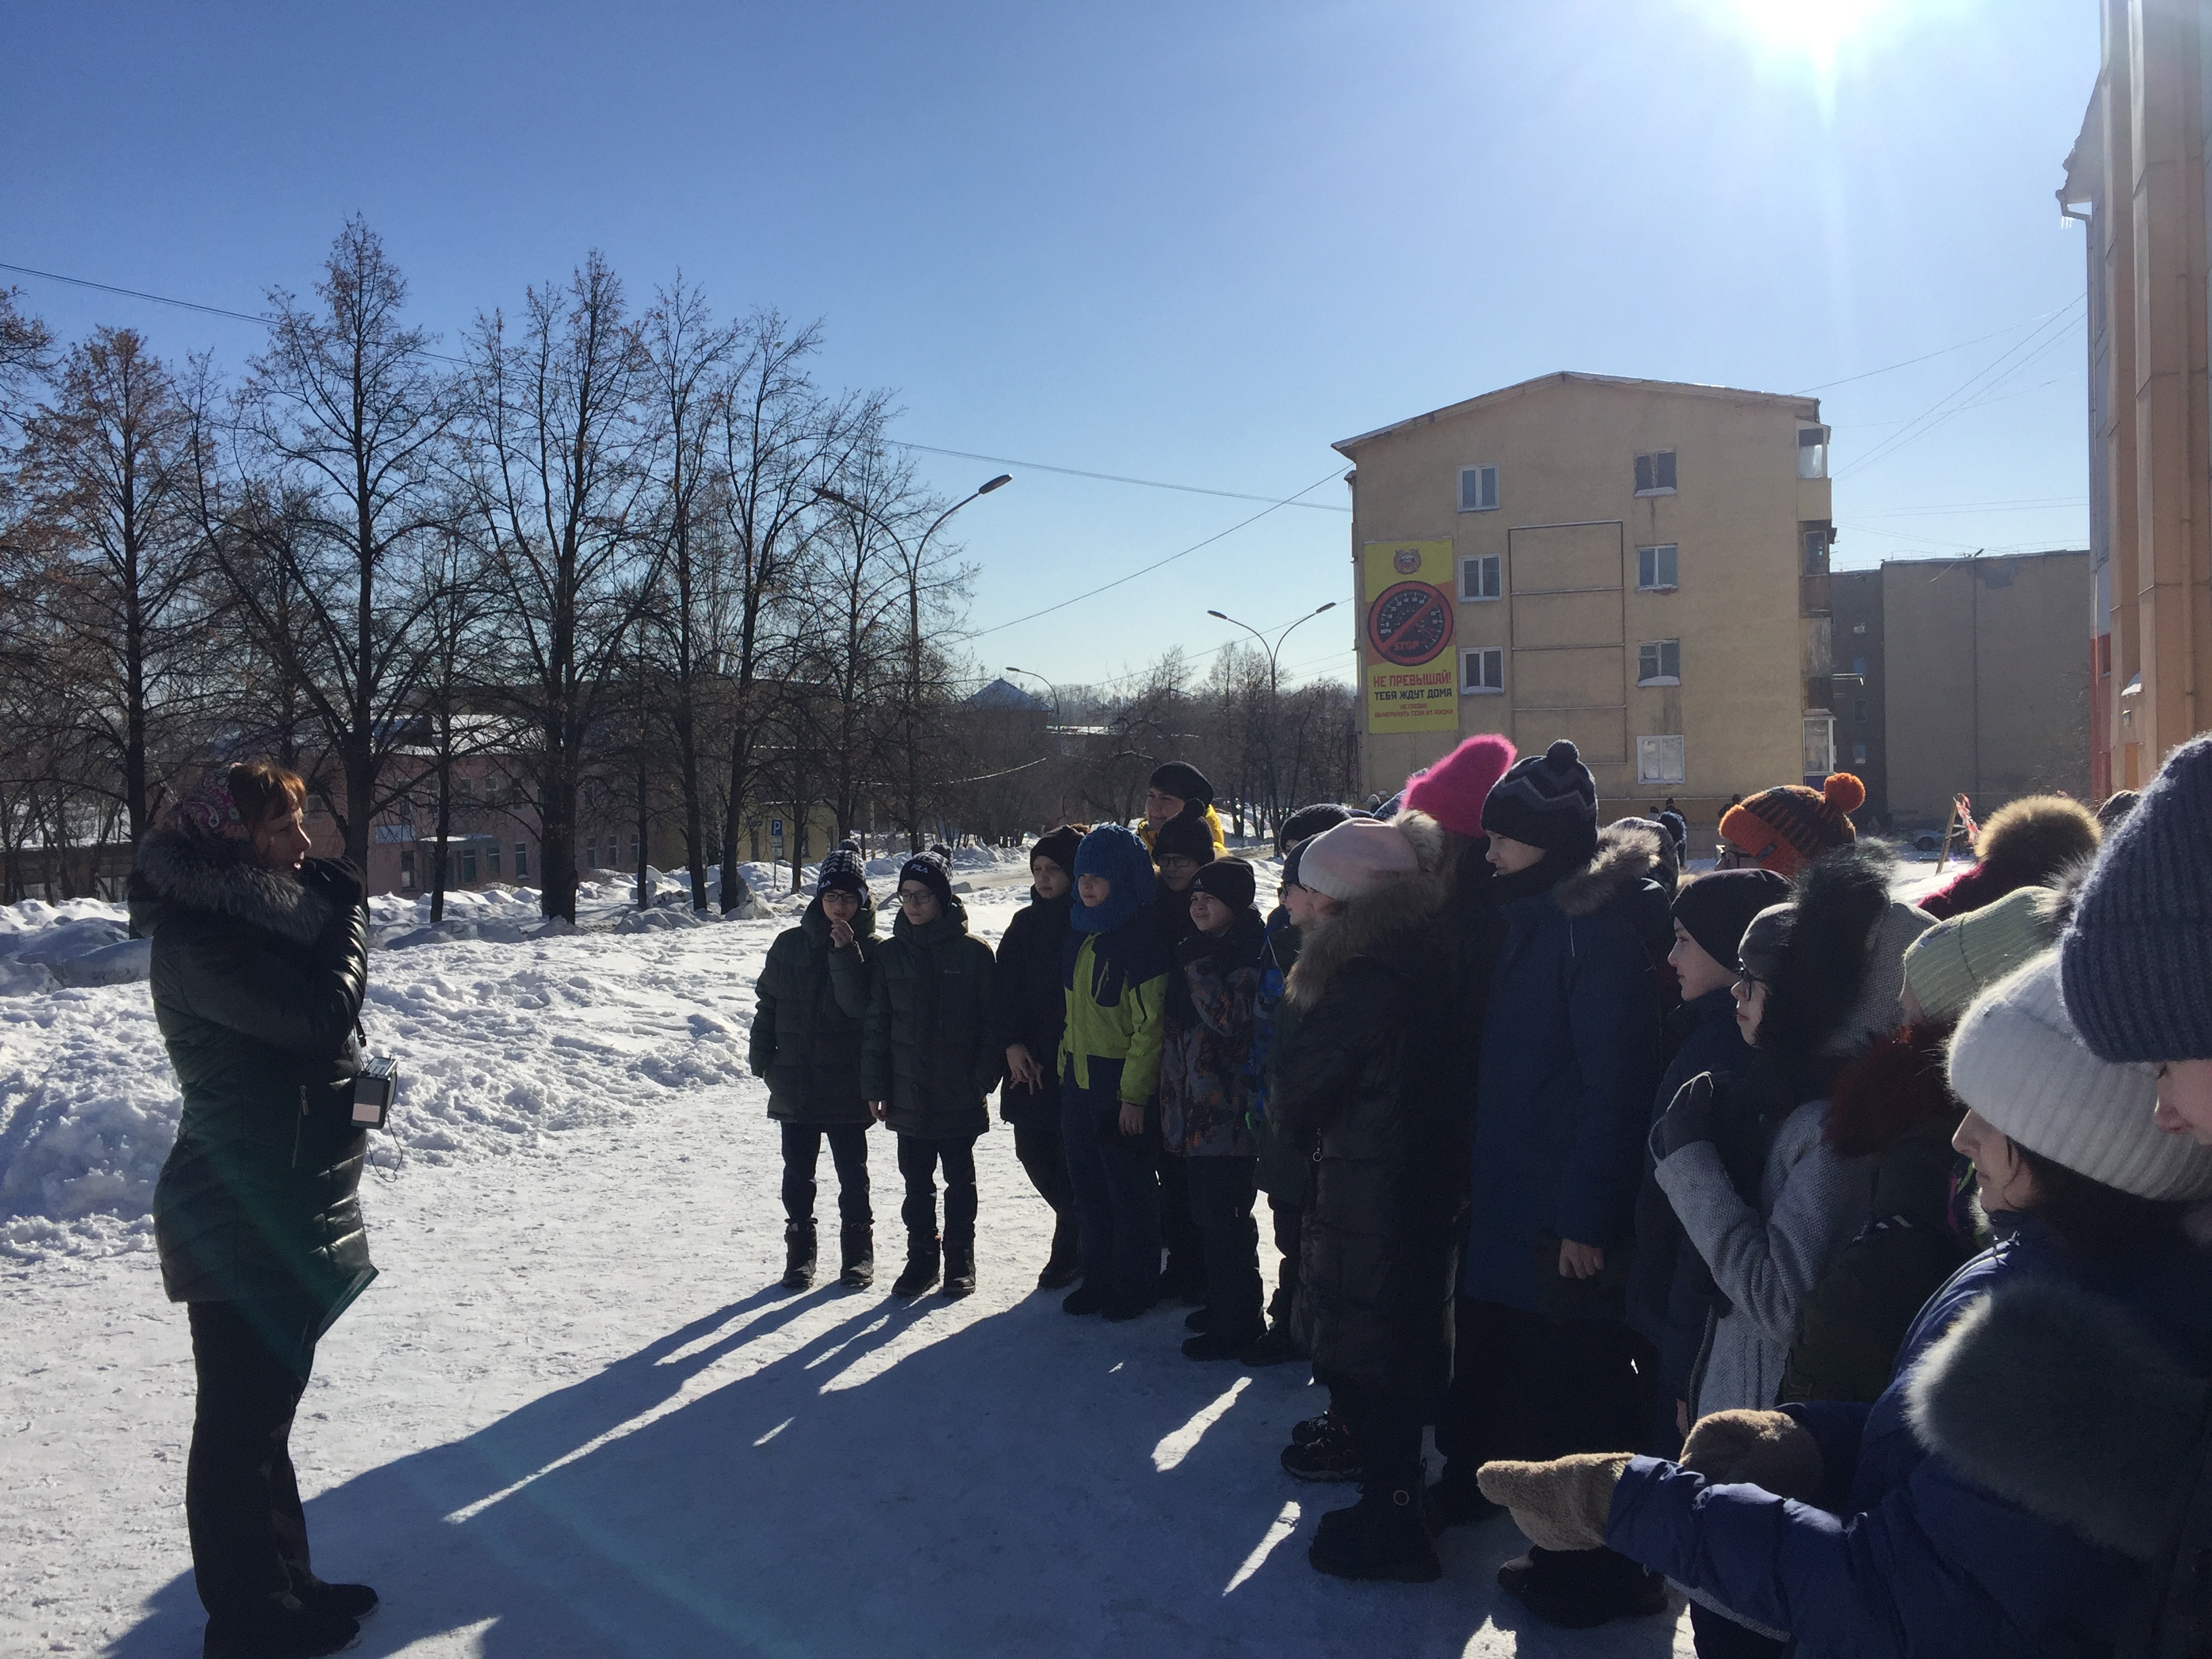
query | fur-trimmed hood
[2054, 1399]
[218, 876]
[1627, 852]
[1897, 1085]
[1374, 924]
[2030, 840]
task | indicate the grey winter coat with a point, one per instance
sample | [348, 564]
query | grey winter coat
[257, 982]
[1766, 1262]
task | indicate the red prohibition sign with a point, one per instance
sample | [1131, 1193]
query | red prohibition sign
[1409, 623]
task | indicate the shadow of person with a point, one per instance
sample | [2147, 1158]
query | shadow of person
[919, 1478]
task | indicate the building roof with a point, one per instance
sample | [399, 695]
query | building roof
[1564, 377]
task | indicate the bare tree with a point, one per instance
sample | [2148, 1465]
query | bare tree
[561, 443]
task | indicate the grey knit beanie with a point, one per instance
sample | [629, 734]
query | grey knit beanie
[2138, 956]
[1875, 1011]
[2018, 1061]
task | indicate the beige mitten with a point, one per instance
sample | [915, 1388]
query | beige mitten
[1769, 1449]
[1561, 1504]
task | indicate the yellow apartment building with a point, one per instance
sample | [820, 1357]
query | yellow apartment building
[1638, 565]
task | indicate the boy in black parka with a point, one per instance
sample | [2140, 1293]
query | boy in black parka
[1032, 1011]
[808, 1007]
[929, 1057]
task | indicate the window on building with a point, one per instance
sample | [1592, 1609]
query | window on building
[1482, 671]
[1858, 754]
[1816, 539]
[632, 864]
[468, 867]
[1656, 568]
[1859, 666]
[1659, 662]
[1480, 577]
[1659, 760]
[591, 853]
[1819, 747]
[1477, 489]
[1655, 472]
[1812, 451]
[491, 861]
[407, 870]
[522, 860]
[1858, 708]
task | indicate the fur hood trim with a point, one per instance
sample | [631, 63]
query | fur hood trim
[2053, 1398]
[2028, 840]
[1364, 926]
[1431, 844]
[218, 876]
[1626, 854]
[1896, 1085]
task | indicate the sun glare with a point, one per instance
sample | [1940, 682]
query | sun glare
[1814, 30]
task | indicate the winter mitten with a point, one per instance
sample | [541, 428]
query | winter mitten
[1690, 1119]
[1767, 1449]
[1561, 1504]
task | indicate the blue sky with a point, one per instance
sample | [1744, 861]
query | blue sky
[1187, 242]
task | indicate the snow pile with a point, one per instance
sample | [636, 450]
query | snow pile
[78, 942]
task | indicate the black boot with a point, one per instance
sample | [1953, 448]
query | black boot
[1380, 1536]
[960, 1267]
[1065, 1265]
[1581, 1590]
[798, 1255]
[283, 1629]
[857, 1249]
[922, 1265]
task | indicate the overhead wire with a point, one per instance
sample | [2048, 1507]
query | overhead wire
[1113, 478]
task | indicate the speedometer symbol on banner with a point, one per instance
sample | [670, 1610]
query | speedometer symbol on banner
[1409, 623]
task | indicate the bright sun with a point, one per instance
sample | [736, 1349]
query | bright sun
[1813, 30]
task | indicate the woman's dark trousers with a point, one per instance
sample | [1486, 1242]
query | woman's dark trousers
[918, 1162]
[1222, 1191]
[1117, 1190]
[241, 1499]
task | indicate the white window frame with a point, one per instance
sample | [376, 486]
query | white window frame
[1490, 565]
[1659, 661]
[1482, 656]
[1660, 760]
[1674, 466]
[1485, 494]
[1654, 586]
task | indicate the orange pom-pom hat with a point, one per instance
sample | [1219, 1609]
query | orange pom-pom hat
[1785, 828]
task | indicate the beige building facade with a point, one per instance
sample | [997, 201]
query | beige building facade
[1640, 566]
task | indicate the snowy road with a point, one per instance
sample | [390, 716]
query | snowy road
[575, 1417]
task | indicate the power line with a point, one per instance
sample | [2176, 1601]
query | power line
[1116, 477]
[135, 294]
[1944, 351]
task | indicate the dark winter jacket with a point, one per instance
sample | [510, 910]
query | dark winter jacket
[1285, 1172]
[1470, 931]
[1670, 1289]
[257, 982]
[808, 1010]
[1975, 1507]
[930, 1048]
[1365, 1080]
[1570, 1056]
[1031, 1002]
[1205, 1092]
[1891, 1104]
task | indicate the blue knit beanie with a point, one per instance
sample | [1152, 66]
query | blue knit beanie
[1113, 851]
[2137, 962]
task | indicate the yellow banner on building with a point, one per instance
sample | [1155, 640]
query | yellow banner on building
[1404, 649]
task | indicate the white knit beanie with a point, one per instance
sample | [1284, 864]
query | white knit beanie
[1356, 855]
[2017, 1061]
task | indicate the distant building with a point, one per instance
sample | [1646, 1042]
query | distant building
[2136, 180]
[1985, 691]
[1638, 565]
[1862, 686]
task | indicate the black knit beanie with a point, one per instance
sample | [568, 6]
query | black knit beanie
[1714, 910]
[1060, 845]
[1184, 781]
[1291, 864]
[933, 870]
[1185, 835]
[1549, 800]
[1228, 880]
[842, 871]
[1310, 821]
[2137, 960]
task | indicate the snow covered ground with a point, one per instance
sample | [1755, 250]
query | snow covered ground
[576, 1416]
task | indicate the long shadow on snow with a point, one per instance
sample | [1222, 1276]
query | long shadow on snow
[994, 1488]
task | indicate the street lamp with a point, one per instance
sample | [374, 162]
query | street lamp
[1274, 807]
[912, 559]
[1030, 674]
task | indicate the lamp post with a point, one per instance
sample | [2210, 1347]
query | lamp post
[912, 559]
[1060, 719]
[1030, 674]
[1274, 650]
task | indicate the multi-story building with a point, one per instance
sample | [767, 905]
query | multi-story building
[2136, 180]
[1862, 685]
[1986, 692]
[1637, 565]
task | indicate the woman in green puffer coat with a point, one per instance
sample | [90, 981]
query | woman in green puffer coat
[260, 960]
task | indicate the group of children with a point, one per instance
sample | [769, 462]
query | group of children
[1664, 1200]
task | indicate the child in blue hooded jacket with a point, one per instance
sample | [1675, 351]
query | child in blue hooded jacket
[1113, 967]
